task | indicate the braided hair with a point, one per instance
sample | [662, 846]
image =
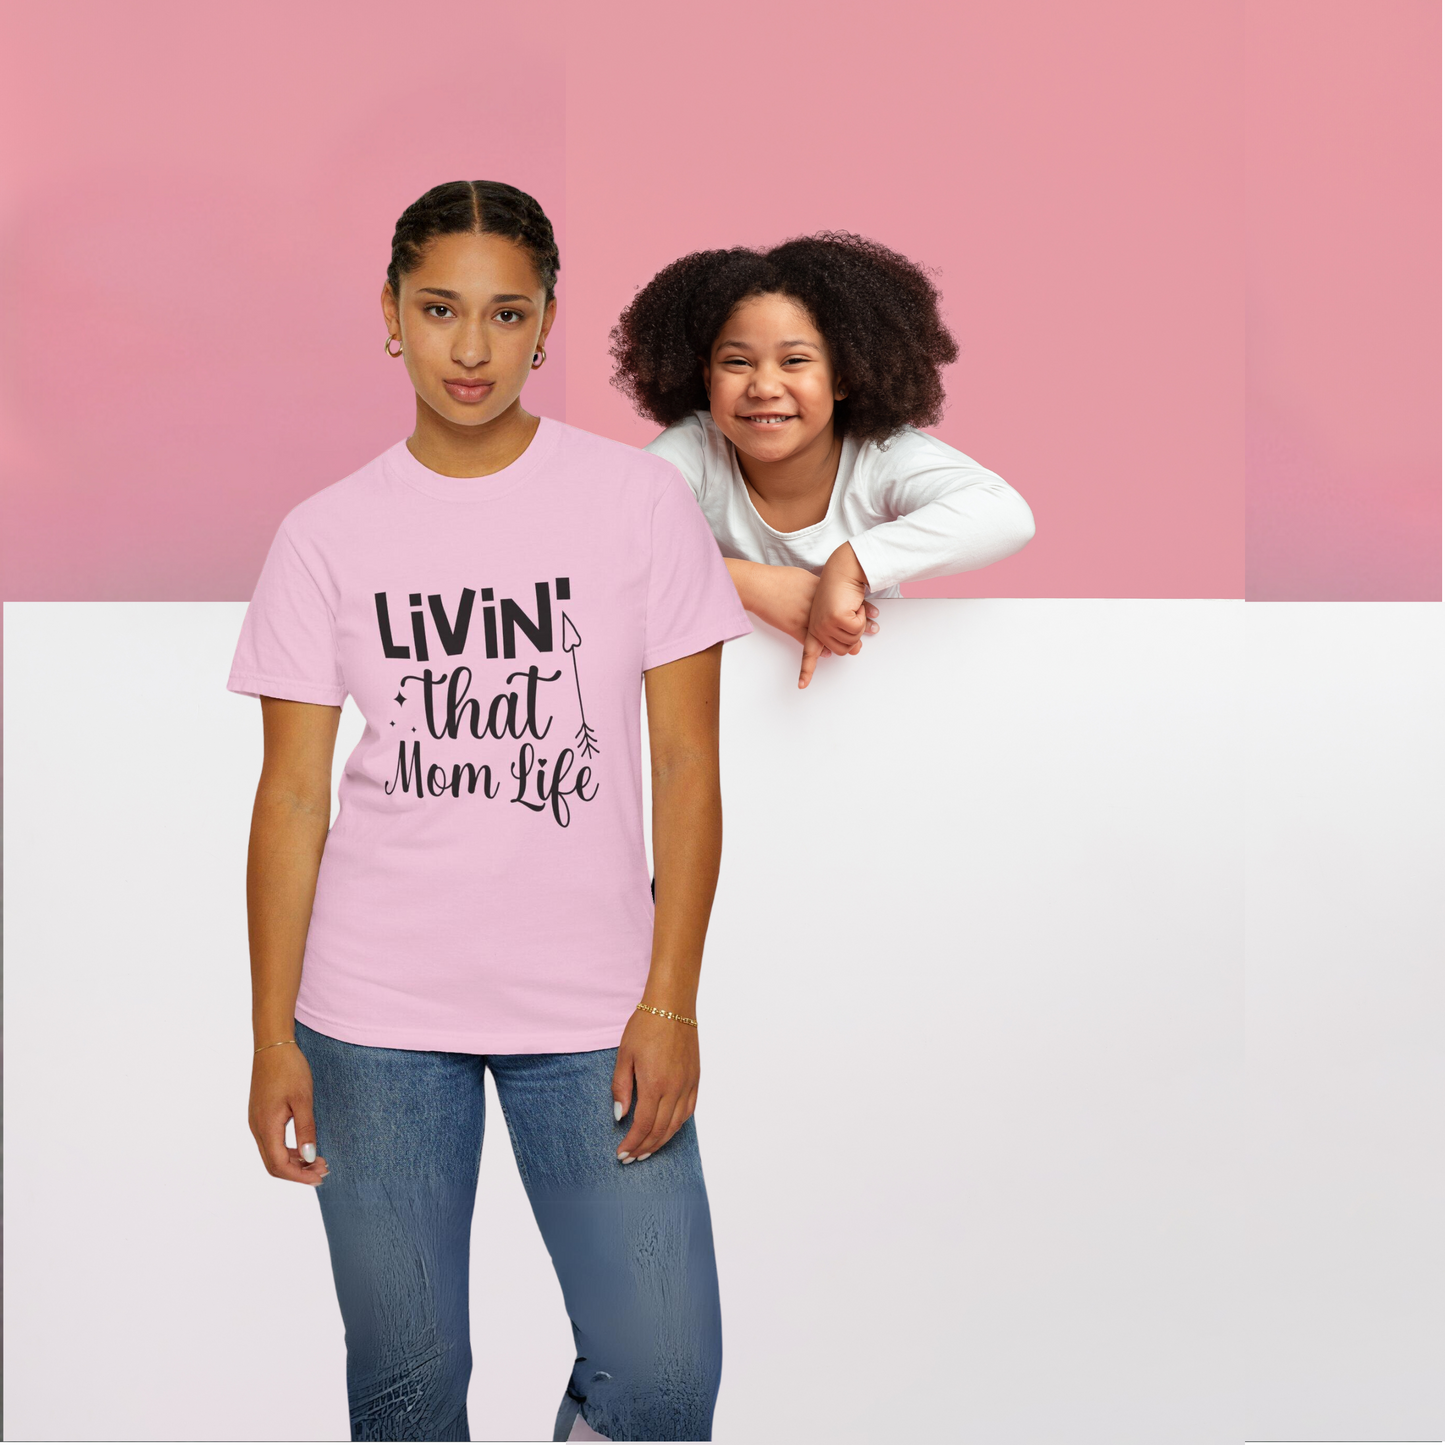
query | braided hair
[877, 312]
[481, 208]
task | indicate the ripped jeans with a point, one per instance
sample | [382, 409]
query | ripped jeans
[632, 1244]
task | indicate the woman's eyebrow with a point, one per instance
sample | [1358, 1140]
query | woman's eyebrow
[457, 295]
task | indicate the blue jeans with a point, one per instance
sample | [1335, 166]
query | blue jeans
[631, 1243]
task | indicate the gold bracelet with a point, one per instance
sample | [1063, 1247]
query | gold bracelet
[664, 1013]
[276, 1045]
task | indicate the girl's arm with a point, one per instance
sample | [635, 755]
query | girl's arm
[840, 615]
[949, 514]
[658, 1057]
[289, 823]
[787, 598]
[781, 596]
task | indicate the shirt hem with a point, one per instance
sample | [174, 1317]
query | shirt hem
[463, 1041]
[694, 642]
[255, 684]
[880, 576]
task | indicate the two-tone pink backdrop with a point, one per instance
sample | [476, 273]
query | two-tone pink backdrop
[1191, 253]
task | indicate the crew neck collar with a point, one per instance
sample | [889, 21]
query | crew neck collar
[835, 497]
[400, 463]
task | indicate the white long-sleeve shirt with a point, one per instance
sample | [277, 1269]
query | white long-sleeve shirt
[914, 507]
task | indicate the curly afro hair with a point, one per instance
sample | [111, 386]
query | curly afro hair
[877, 311]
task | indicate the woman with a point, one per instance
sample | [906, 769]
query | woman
[495, 591]
[792, 384]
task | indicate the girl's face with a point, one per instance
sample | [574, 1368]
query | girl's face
[470, 318]
[770, 381]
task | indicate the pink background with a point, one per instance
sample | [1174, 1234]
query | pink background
[1343, 247]
[200, 213]
[200, 204]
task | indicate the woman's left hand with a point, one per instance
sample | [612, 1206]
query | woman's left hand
[658, 1060]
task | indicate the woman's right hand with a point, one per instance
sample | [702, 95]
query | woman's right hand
[281, 1090]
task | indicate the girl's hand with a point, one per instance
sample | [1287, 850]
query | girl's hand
[840, 616]
[659, 1059]
[281, 1090]
[781, 596]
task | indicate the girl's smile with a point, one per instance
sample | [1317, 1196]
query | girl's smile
[771, 384]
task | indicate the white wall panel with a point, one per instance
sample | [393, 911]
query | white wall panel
[1070, 1040]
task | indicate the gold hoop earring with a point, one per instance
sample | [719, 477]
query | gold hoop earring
[538, 357]
[389, 351]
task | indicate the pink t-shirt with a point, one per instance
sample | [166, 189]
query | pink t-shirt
[484, 887]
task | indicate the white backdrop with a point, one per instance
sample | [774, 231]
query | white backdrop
[1071, 1041]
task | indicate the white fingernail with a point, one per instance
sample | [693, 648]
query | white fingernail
[618, 1110]
[623, 1157]
[629, 1161]
[641, 1157]
[308, 1153]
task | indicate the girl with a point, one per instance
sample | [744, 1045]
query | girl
[792, 384]
[495, 591]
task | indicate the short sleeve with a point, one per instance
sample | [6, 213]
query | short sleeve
[287, 646]
[684, 444]
[691, 600]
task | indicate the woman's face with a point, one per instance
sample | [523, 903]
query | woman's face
[770, 381]
[470, 318]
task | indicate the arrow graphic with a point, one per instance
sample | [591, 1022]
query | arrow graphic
[571, 641]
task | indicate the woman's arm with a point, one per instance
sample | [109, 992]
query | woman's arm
[659, 1056]
[289, 823]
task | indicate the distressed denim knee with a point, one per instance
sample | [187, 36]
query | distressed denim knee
[640, 1283]
[663, 1394]
[420, 1394]
[399, 1255]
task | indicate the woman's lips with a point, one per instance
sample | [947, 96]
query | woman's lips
[462, 390]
